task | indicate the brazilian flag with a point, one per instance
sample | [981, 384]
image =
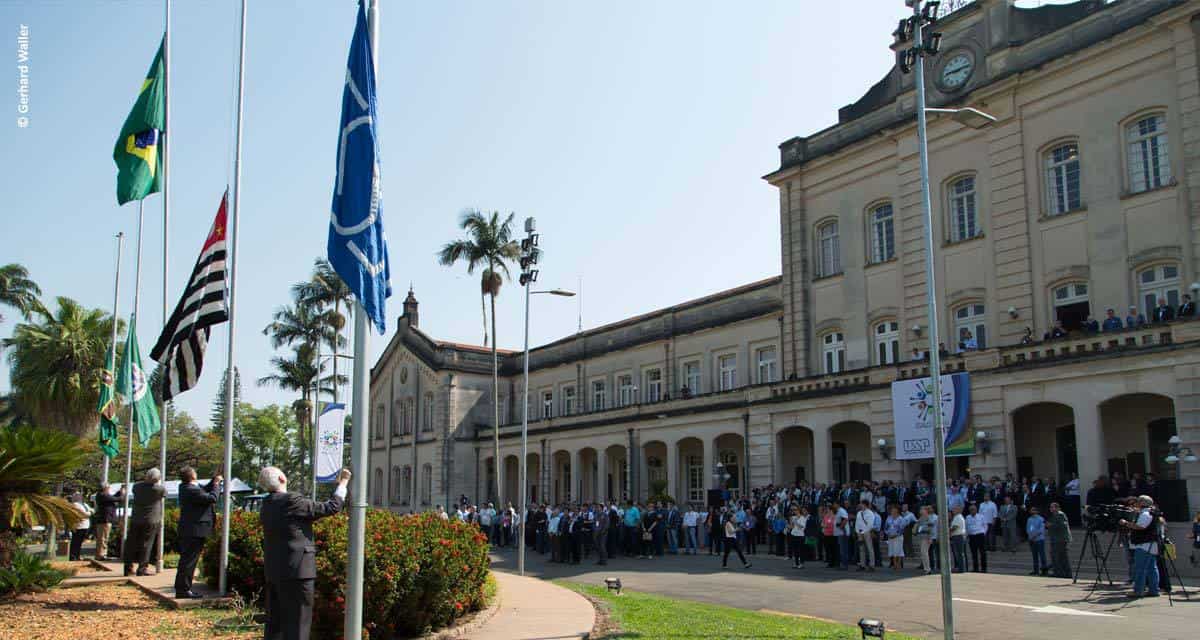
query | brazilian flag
[139, 164]
[108, 412]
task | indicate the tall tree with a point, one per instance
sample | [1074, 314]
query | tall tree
[298, 373]
[56, 366]
[19, 292]
[31, 459]
[216, 420]
[489, 244]
[326, 293]
[263, 436]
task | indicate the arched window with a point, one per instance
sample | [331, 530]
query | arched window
[883, 235]
[1149, 161]
[406, 485]
[829, 258]
[377, 492]
[833, 352]
[1158, 282]
[1071, 304]
[427, 484]
[973, 319]
[886, 338]
[964, 217]
[1062, 179]
[729, 460]
[397, 480]
[397, 410]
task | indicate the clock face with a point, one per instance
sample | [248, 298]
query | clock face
[957, 70]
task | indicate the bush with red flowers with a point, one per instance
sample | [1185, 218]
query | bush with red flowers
[422, 572]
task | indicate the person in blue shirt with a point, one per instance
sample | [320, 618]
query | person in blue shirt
[1134, 320]
[1111, 321]
[1035, 529]
[633, 525]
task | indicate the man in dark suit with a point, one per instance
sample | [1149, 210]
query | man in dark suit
[290, 554]
[106, 515]
[144, 522]
[1187, 308]
[196, 519]
[1163, 312]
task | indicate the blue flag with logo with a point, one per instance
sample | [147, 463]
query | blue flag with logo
[357, 246]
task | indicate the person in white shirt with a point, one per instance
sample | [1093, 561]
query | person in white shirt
[926, 534]
[958, 539]
[795, 535]
[81, 529]
[1072, 503]
[841, 531]
[864, 531]
[691, 520]
[486, 515]
[989, 512]
[1143, 540]
[977, 529]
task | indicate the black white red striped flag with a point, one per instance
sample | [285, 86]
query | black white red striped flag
[180, 348]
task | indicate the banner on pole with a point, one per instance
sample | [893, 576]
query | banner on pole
[912, 414]
[330, 440]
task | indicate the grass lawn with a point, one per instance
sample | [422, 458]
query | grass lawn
[642, 615]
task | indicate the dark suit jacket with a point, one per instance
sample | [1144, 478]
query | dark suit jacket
[288, 536]
[1164, 314]
[196, 512]
[106, 506]
[147, 503]
[1186, 310]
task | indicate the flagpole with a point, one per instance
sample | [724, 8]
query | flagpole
[137, 291]
[316, 414]
[166, 176]
[356, 547]
[230, 406]
[113, 349]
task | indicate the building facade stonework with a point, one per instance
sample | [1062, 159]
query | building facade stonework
[1076, 200]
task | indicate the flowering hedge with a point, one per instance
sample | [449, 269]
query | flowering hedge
[422, 572]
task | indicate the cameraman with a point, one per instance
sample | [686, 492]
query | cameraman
[1143, 540]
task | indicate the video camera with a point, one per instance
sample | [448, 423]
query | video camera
[1108, 517]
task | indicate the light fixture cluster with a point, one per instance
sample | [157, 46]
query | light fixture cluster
[931, 41]
[529, 253]
[1179, 452]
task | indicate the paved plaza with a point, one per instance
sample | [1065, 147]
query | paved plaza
[1000, 605]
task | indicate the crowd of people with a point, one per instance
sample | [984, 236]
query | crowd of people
[861, 524]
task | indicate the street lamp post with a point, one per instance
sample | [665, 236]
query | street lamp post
[529, 259]
[913, 59]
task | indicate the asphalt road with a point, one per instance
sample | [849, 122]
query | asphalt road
[1000, 605]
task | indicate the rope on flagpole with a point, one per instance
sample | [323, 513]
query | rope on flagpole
[166, 154]
[137, 291]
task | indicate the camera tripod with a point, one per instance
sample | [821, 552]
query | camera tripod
[1172, 570]
[1091, 540]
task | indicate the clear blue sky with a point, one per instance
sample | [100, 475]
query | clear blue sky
[635, 132]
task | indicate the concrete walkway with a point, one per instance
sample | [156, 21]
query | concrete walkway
[534, 609]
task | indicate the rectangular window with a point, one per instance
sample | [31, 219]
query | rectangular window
[568, 400]
[1149, 162]
[428, 421]
[695, 476]
[766, 364]
[963, 221]
[883, 235]
[833, 351]
[727, 372]
[887, 342]
[1062, 179]
[829, 260]
[653, 378]
[547, 405]
[598, 395]
[971, 319]
[625, 389]
[691, 376]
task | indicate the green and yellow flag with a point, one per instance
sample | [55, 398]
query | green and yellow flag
[108, 412]
[139, 164]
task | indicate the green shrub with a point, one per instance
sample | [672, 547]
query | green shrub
[28, 573]
[422, 572]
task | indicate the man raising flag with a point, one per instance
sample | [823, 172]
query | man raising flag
[180, 348]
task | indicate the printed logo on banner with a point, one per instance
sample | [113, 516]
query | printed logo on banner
[913, 407]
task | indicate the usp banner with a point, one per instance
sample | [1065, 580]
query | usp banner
[330, 440]
[913, 405]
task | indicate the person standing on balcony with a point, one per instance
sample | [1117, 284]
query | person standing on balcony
[1111, 321]
[1187, 309]
[1163, 312]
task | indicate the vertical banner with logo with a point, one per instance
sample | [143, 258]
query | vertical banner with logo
[330, 439]
[912, 412]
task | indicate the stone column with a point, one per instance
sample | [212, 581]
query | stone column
[822, 455]
[576, 475]
[672, 468]
[707, 447]
[601, 476]
[1089, 442]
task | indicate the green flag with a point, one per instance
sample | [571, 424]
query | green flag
[134, 385]
[108, 411]
[139, 164]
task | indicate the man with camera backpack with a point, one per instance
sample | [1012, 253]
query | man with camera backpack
[1143, 539]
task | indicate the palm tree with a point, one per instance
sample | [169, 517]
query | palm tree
[298, 373]
[56, 366]
[30, 459]
[488, 244]
[19, 292]
[323, 290]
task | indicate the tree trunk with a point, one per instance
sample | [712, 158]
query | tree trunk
[483, 308]
[496, 408]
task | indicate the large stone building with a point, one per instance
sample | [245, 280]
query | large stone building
[1077, 199]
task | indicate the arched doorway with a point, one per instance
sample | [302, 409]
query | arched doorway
[1136, 427]
[851, 445]
[512, 483]
[731, 449]
[1044, 444]
[654, 463]
[795, 460]
[693, 477]
[532, 477]
[616, 482]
